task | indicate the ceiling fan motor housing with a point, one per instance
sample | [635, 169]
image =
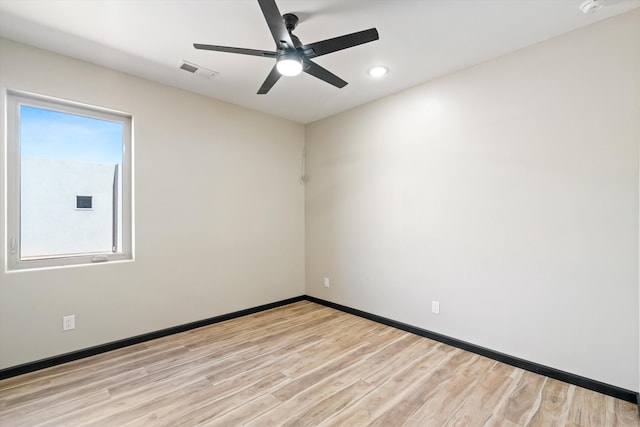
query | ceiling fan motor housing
[290, 21]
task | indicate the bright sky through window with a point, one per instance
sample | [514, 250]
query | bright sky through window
[57, 135]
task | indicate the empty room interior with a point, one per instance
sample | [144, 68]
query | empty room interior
[451, 241]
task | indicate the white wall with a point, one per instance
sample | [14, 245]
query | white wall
[48, 191]
[219, 215]
[507, 191]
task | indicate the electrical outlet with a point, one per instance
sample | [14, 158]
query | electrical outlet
[326, 282]
[435, 307]
[69, 322]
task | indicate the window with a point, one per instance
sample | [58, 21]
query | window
[84, 202]
[69, 169]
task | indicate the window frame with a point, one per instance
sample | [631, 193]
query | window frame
[124, 251]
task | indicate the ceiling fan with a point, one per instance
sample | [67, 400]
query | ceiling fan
[292, 57]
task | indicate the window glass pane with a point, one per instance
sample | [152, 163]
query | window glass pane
[62, 156]
[84, 202]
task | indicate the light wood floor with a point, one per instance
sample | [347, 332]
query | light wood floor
[302, 364]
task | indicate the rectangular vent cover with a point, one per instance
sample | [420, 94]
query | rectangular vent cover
[189, 68]
[197, 69]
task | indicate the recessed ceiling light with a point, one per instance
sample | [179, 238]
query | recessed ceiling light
[378, 71]
[591, 6]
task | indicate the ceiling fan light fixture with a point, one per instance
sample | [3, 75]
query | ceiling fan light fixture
[378, 71]
[289, 65]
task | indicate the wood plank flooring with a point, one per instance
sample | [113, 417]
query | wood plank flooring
[299, 365]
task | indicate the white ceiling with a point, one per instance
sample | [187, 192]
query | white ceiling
[420, 40]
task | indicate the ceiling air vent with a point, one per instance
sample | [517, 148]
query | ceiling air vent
[197, 69]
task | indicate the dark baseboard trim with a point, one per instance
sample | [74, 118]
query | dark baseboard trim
[114, 345]
[611, 390]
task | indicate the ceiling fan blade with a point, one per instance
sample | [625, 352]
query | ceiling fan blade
[323, 74]
[271, 79]
[276, 23]
[240, 50]
[338, 43]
